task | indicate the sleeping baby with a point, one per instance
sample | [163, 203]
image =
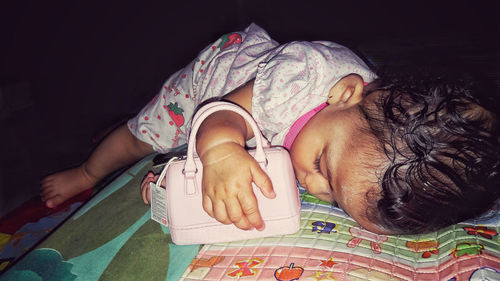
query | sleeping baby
[401, 152]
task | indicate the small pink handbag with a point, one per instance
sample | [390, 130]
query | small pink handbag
[190, 224]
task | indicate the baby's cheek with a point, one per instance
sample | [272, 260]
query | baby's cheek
[319, 184]
[325, 197]
[321, 189]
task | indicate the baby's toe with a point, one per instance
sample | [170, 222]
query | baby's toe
[54, 201]
[47, 192]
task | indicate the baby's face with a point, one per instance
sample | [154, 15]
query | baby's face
[335, 160]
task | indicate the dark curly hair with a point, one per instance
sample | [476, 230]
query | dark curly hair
[439, 129]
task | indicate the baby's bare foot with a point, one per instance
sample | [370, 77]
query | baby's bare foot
[61, 186]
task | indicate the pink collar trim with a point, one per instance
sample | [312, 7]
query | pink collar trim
[299, 124]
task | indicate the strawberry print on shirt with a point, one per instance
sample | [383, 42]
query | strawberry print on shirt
[175, 113]
[221, 67]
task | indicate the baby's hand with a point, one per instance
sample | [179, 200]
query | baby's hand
[228, 173]
[145, 189]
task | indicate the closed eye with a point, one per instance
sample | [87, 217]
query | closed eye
[317, 166]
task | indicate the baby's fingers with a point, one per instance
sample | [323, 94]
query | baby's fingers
[146, 193]
[262, 180]
[145, 186]
[220, 213]
[251, 210]
[208, 205]
[236, 215]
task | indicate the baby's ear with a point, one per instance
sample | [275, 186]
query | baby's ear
[347, 91]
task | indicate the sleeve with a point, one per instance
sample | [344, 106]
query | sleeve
[297, 77]
[162, 123]
[222, 66]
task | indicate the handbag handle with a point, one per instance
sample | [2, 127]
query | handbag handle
[213, 107]
[190, 166]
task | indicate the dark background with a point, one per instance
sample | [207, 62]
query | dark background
[69, 69]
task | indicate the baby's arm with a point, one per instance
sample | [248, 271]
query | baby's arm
[228, 169]
[118, 149]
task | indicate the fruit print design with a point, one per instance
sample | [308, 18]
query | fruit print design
[288, 273]
[229, 39]
[175, 113]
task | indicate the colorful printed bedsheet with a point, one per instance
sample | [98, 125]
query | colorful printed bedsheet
[331, 246]
[109, 238]
[112, 238]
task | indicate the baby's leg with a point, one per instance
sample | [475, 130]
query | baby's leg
[61, 186]
[117, 150]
